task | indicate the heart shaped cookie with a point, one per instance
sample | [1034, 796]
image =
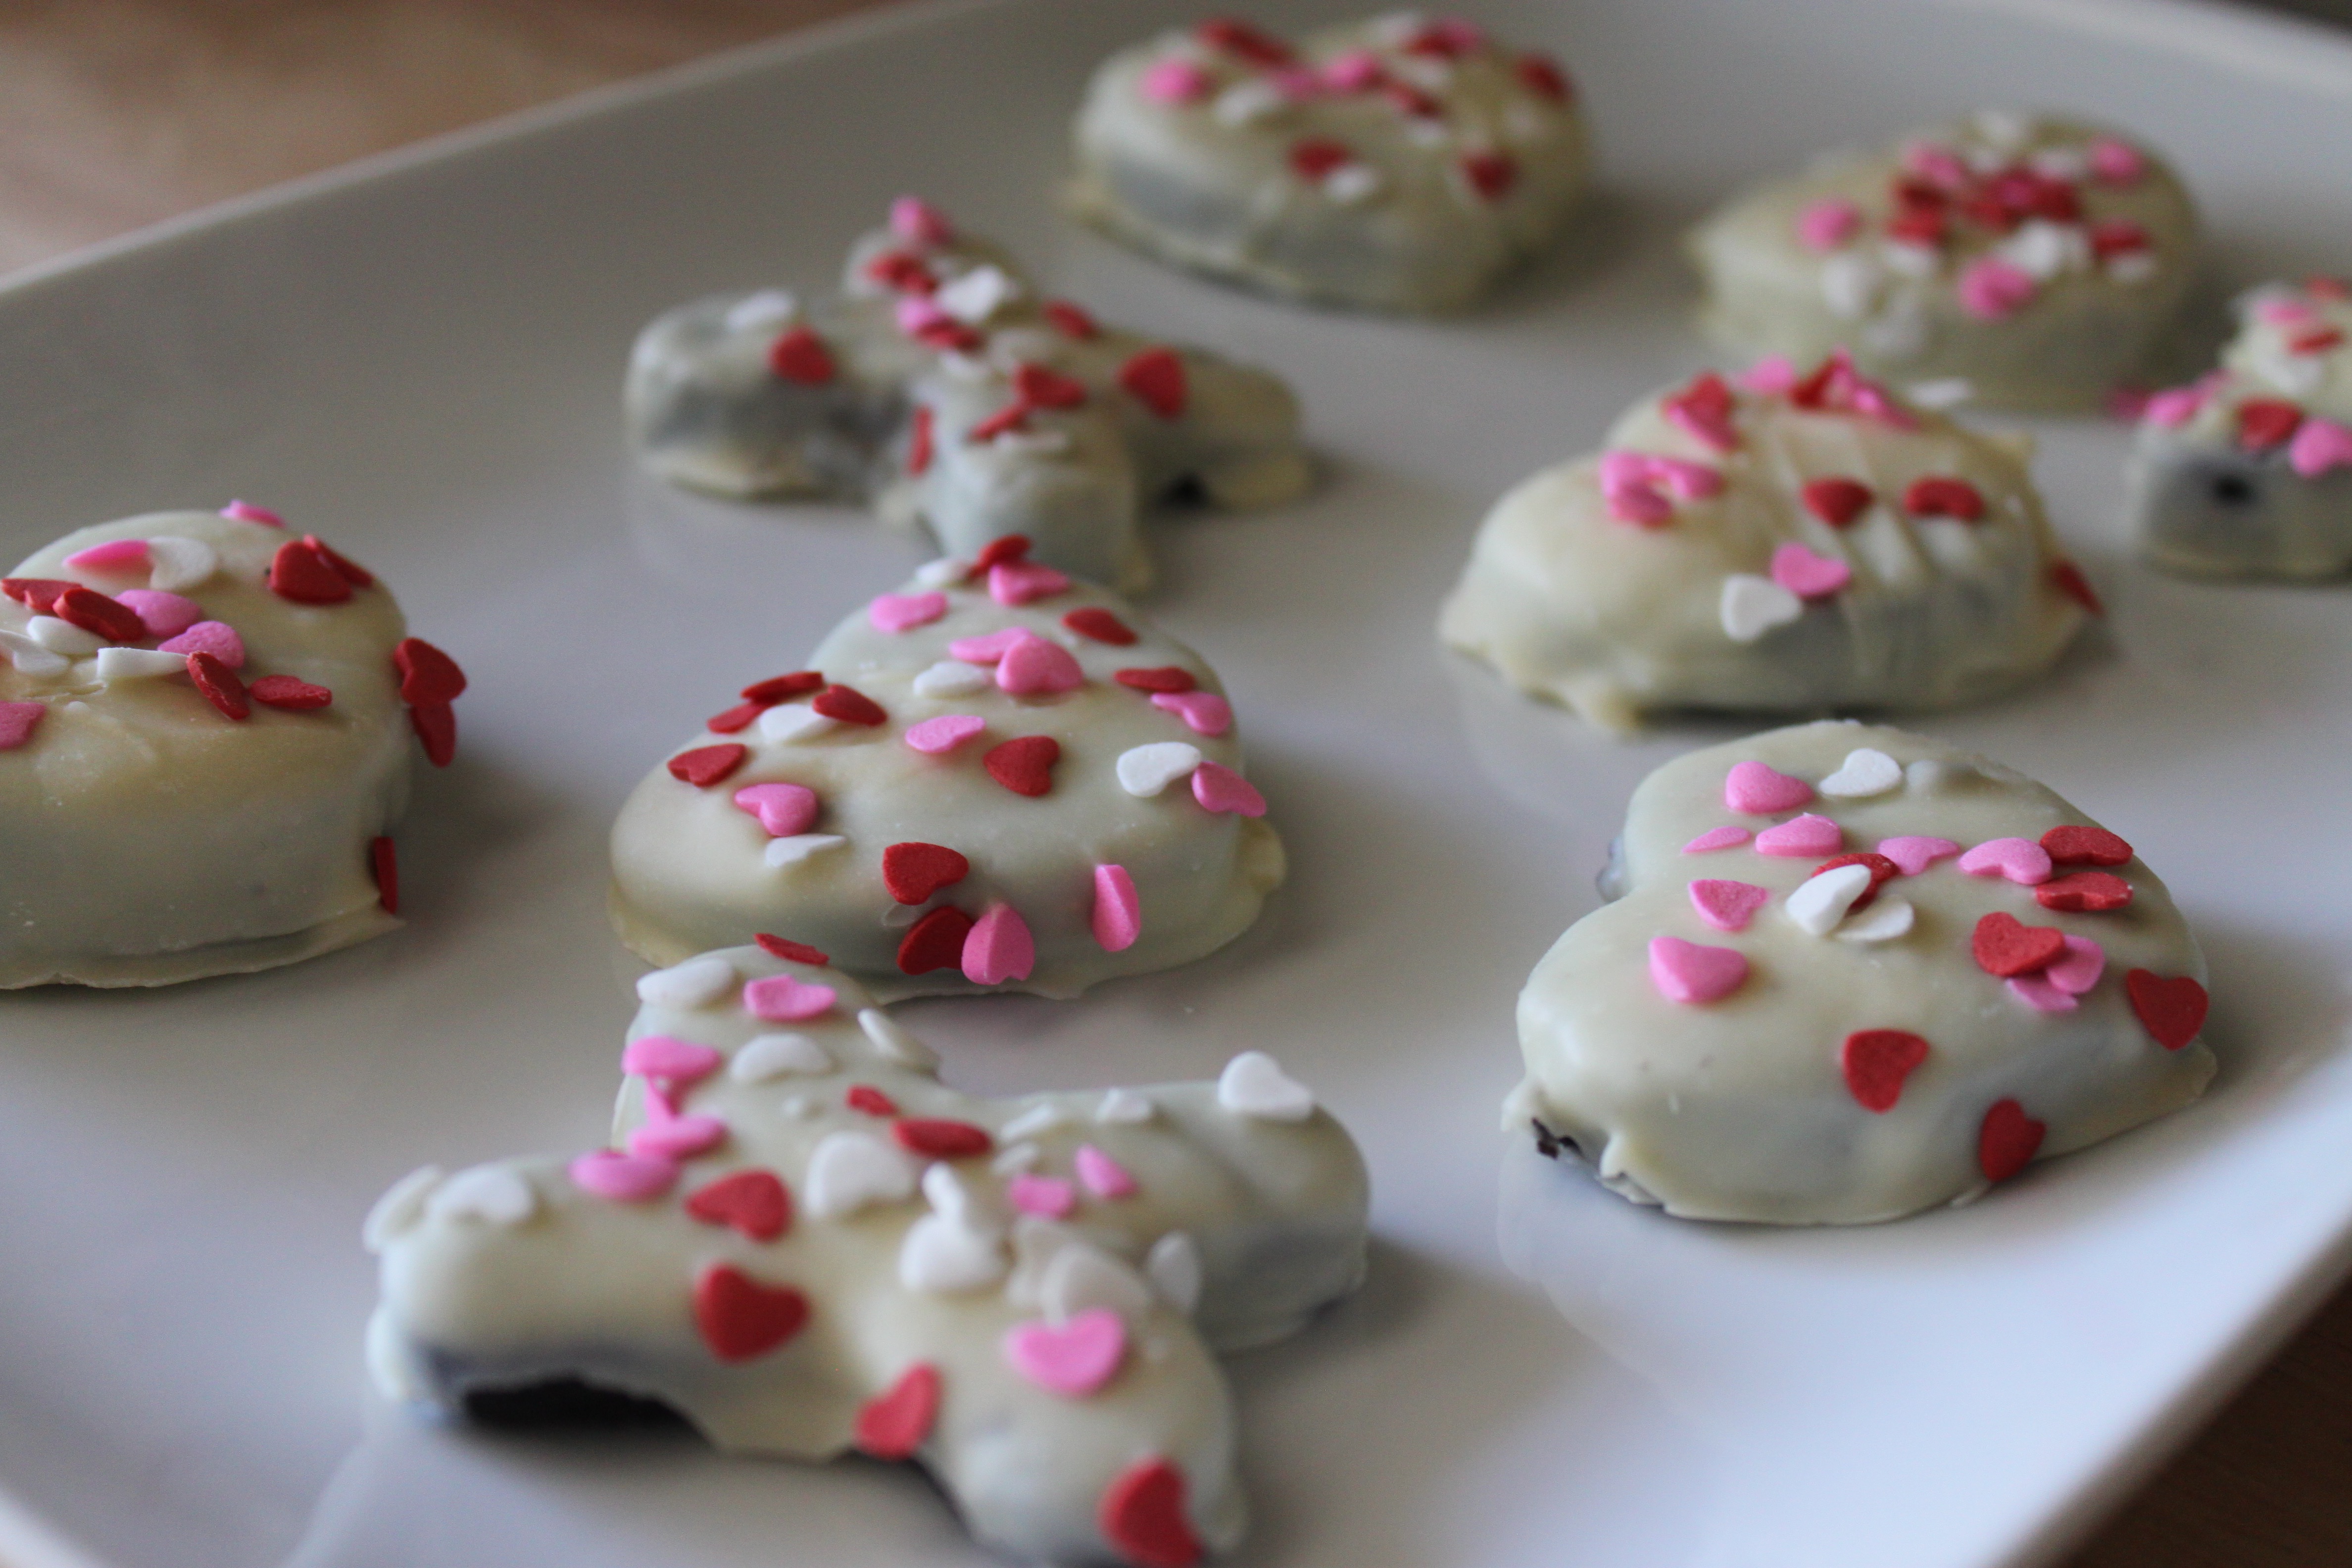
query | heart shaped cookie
[1078, 826]
[941, 387]
[1401, 163]
[1702, 559]
[1883, 1031]
[208, 727]
[2004, 259]
[1024, 1296]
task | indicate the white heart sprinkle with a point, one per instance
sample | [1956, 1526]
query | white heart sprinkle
[767, 1057]
[892, 1041]
[793, 721]
[63, 636]
[1083, 1277]
[952, 678]
[763, 311]
[696, 983]
[1145, 771]
[945, 1258]
[401, 1203]
[1015, 1158]
[848, 1171]
[941, 574]
[1752, 605]
[1247, 102]
[947, 1192]
[977, 295]
[792, 852]
[1883, 922]
[1866, 772]
[1036, 1120]
[492, 1195]
[1821, 902]
[1352, 183]
[138, 664]
[174, 563]
[1253, 1084]
[30, 658]
[1124, 1105]
[1173, 1267]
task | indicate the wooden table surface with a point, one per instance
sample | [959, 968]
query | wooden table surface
[115, 113]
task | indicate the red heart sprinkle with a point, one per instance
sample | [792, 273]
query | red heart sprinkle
[2084, 845]
[1882, 871]
[436, 724]
[754, 1202]
[2068, 579]
[2007, 1141]
[919, 439]
[2266, 422]
[1491, 175]
[949, 337]
[914, 871]
[783, 688]
[905, 273]
[1026, 765]
[935, 941]
[349, 571]
[1042, 386]
[892, 1425]
[38, 594]
[1251, 43]
[801, 356]
[219, 684]
[303, 575]
[1155, 378]
[1070, 321]
[427, 674]
[1003, 551]
[706, 765]
[939, 1138]
[2172, 1010]
[1014, 416]
[285, 691]
[2316, 341]
[796, 952]
[2119, 237]
[99, 614]
[1938, 496]
[741, 1318]
[1876, 1061]
[1142, 1514]
[1167, 678]
[1318, 156]
[2084, 892]
[848, 705]
[737, 718]
[384, 860]
[2007, 947]
[1101, 625]
[864, 1097]
[1543, 78]
[1837, 501]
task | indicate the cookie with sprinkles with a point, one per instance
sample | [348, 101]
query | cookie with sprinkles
[944, 388]
[804, 1241]
[1399, 164]
[1847, 973]
[2247, 471]
[2008, 260]
[996, 778]
[208, 725]
[1776, 541]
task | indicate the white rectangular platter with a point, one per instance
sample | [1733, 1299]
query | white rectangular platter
[422, 359]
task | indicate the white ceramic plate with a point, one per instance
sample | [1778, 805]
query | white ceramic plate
[421, 360]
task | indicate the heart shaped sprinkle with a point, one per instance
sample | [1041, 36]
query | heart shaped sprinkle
[284, 691]
[672, 1064]
[1155, 378]
[2172, 1009]
[1806, 573]
[676, 1137]
[1254, 1085]
[800, 356]
[783, 809]
[1821, 900]
[937, 1138]
[1943, 496]
[1874, 1063]
[1145, 771]
[303, 574]
[214, 637]
[351, 571]
[893, 1424]
[1204, 712]
[1100, 626]
[1914, 853]
[2084, 845]
[1220, 789]
[1049, 1198]
[246, 511]
[706, 765]
[914, 871]
[1019, 582]
[765, 1057]
[622, 1178]
[1026, 765]
[2266, 422]
[116, 556]
[1164, 677]
[1042, 386]
[2006, 946]
[2084, 892]
[117, 663]
[100, 615]
[790, 951]
[987, 647]
[792, 852]
[1687, 973]
[1866, 772]
[870, 1100]
[1715, 838]
[1102, 1175]
[937, 737]
[1752, 605]
[1118, 916]
[742, 1319]
[2319, 444]
[935, 941]
[1703, 409]
[998, 947]
[2037, 993]
[220, 686]
[1072, 1360]
[1754, 790]
[2021, 860]
[849, 1171]
[436, 724]
[951, 678]
[487, 1195]
[905, 612]
[1036, 667]
[427, 674]
[1837, 501]
[17, 722]
[2007, 1141]
[1728, 906]
[783, 688]
[1802, 837]
[2068, 579]
[784, 725]
[1142, 1514]
[2078, 969]
[786, 999]
[847, 705]
[164, 615]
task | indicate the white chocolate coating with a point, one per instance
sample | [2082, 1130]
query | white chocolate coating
[1737, 1108]
[1397, 163]
[2033, 264]
[512, 1274]
[1574, 601]
[883, 415]
[147, 838]
[692, 870]
[2247, 472]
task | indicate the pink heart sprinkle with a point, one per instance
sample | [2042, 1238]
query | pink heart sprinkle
[1019, 581]
[1357, 70]
[1204, 712]
[1687, 973]
[1036, 667]
[1934, 162]
[114, 555]
[990, 647]
[164, 615]
[998, 947]
[1118, 917]
[783, 809]
[1991, 288]
[937, 737]
[905, 612]
[623, 1178]
[1049, 1198]
[1728, 906]
[1771, 375]
[2037, 993]
[1800, 837]
[1827, 224]
[217, 638]
[2176, 405]
[1104, 1176]
[786, 999]
[2021, 860]
[2080, 968]
[2117, 163]
[17, 722]
[1073, 1359]
[2318, 445]
[1807, 574]
[918, 222]
[1176, 82]
[1913, 854]
[246, 511]
[1754, 790]
[666, 1057]
[1220, 789]
[917, 314]
[668, 1137]
[1715, 838]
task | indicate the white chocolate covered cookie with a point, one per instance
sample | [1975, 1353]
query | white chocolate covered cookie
[1849, 974]
[997, 778]
[807, 1244]
[1780, 543]
[2022, 262]
[1401, 163]
[943, 388]
[2247, 472]
[207, 726]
